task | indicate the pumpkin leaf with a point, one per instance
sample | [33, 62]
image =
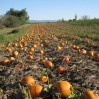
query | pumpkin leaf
[46, 89]
[74, 96]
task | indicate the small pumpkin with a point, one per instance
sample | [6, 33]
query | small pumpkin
[11, 58]
[58, 48]
[5, 61]
[96, 56]
[90, 53]
[43, 60]
[29, 57]
[35, 90]
[15, 53]
[44, 79]
[28, 80]
[61, 69]
[41, 52]
[8, 49]
[48, 63]
[88, 94]
[31, 49]
[64, 88]
[83, 51]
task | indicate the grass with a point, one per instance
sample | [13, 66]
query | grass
[12, 34]
[80, 30]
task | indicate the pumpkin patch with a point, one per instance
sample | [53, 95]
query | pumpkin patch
[62, 63]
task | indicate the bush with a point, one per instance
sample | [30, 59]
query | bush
[14, 18]
[12, 21]
[14, 31]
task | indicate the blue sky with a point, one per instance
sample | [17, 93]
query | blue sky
[53, 9]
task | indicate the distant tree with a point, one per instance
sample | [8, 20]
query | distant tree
[85, 17]
[22, 14]
[75, 17]
[14, 18]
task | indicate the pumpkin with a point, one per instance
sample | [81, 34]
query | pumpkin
[61, 69]
[41, 51]
[5, 61]
[90, 53]
[15, 53]
[41, 45]
[96, 56]
[34, 45]
[83, 51]
[31, 49]
[29, 57]
[28, 80]
[73, 46]
[43, 60]
[8, 49]
[48, 63]
[88, 94]
[20, 45]
[11, 58]
[64, 88]
[58, 48]
[77, 47]
[35, 90]
[43, 78]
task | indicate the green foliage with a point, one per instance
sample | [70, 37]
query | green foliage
[75, 96]
[22, 14]
[14, 31]
[12, 21]
[14, 18]
[91, 22]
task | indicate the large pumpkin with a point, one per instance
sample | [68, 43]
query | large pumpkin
[28, 80]
[64, 88]
[35, 90]
[88, 94]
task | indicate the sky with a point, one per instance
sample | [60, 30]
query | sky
[53, 9]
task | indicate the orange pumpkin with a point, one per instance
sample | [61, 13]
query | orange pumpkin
[73, 46]
[90, 53]
[31, 49]
[64, 88]
[29, 57]
[61, 69]
[34, 45]
[15, 53]
[48, 63]
[35, 90]
[88, 94]
[43, 60]
[28, 80]
[96, 55]
[8, 49]
[58, 48]
[11, 58]
[41, 51]
[83, 51]
[44, 79]
[5, 61]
